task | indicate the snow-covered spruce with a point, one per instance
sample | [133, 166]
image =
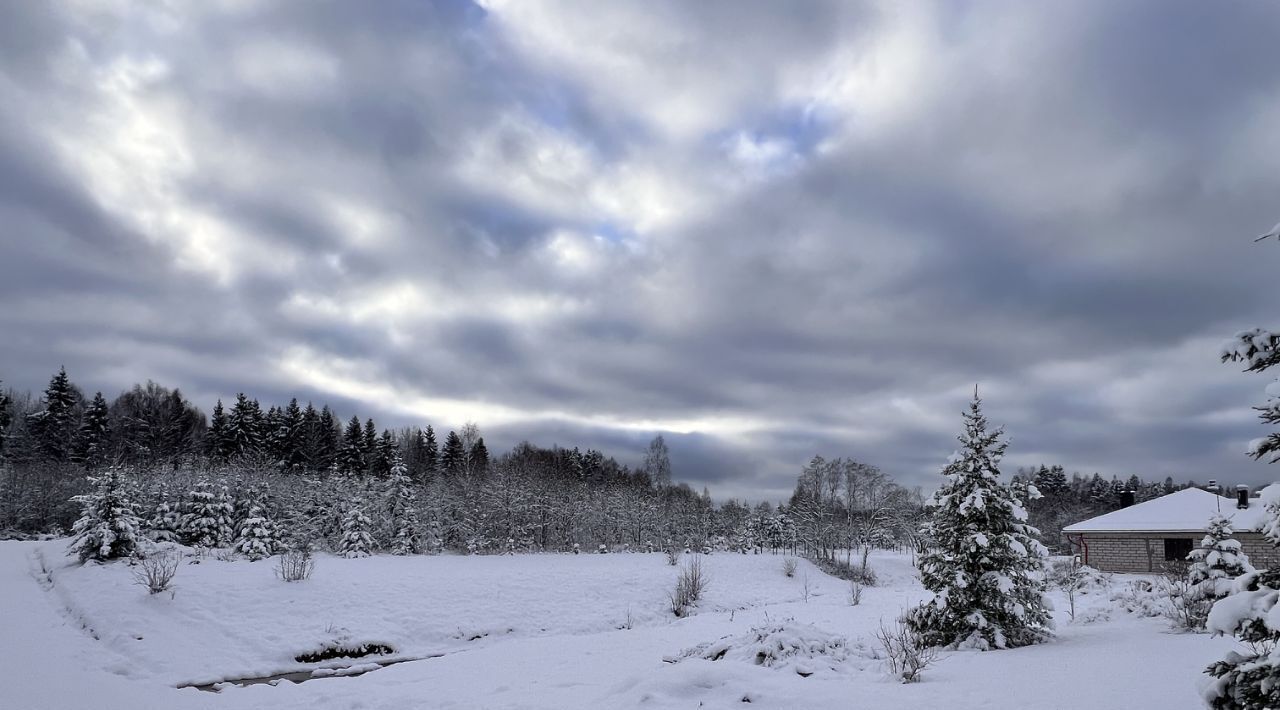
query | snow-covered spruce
[165, 522]
[258, 536]
[207, 520]
[1217, 561]
[402, 509]
[107, 528]
[1250, 679]
[985, 568]
[355, 541]
[1259, 349]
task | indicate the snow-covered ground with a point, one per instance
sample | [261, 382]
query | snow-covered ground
[538, 631]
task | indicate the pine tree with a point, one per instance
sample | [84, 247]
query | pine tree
[165, 522]
[453, 458]
[350, 458]
[244, 432]
[217, 440]
[355, 541]
[1250, 679]
[328, 440]
[1052, 482]
[430, 455]
[258, 536]
[208, 517]
[107, 528]
[1260, 350]
[6, 417]
[478, 460]
[55, 427]
[369, 446]
[403, 511]
[93, 438]
[1217, 561]
[384, 454]
[986, 568]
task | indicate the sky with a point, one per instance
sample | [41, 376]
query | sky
[765, 230]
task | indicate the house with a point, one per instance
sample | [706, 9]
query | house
[1143, 537]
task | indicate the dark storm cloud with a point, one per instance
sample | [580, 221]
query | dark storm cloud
[768, 231]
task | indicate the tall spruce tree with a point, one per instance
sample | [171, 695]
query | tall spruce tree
[402, 509]
[6, 417]
[478, 459]
[453, 457]
[985, 569]
[55, 426]
[350, 457]
[244, 427]
[93, 440]
[430, 454]
[217, 440]
[328, 440]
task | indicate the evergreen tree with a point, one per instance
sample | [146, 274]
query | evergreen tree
[1217, 561]
[369, 448]
[355, 541]
[217, 439]
[6, 417]
[93, 439]
[290, 436]
[986, 568]
[207, 520]
[1051, 481]
[165, 522]
[453, 458]
[384, 454]
[258, 536]
[350, 458]
[308, 438]
[430, 455]
[403, 511]
[244, 433]
[1260, 350]
[328, 441]
[55, 427]
[107, 528]
[478, 460]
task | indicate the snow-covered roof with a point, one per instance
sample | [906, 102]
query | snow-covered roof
[1187, 510]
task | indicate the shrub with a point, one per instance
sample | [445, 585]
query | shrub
[296, 564]
[789, 566]
[156, 570]
[689, 587]
[905, 651]
[1189, 603]
[855, 592]
[673, 557]
[846, 571]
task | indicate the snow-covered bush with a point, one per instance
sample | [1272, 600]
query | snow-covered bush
[356, 541]
[906, 652]
[165, 522]
[1189, 604]
[296, 564]
[108, 527]
[689, 587]
[789, 565]
[800, 648]
[156, 569]
[986, 568]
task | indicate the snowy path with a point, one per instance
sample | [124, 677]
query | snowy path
[553, 640]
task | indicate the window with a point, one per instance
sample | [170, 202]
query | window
[1176, 548]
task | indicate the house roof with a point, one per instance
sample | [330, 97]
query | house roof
[1187, 510]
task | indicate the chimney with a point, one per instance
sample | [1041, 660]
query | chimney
[1126, 499]
[1242, 497]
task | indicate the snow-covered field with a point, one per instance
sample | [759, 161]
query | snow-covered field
[545, 631]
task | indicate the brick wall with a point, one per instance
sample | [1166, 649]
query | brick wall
[1144, 552]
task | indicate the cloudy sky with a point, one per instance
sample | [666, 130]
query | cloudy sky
[767, 230]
